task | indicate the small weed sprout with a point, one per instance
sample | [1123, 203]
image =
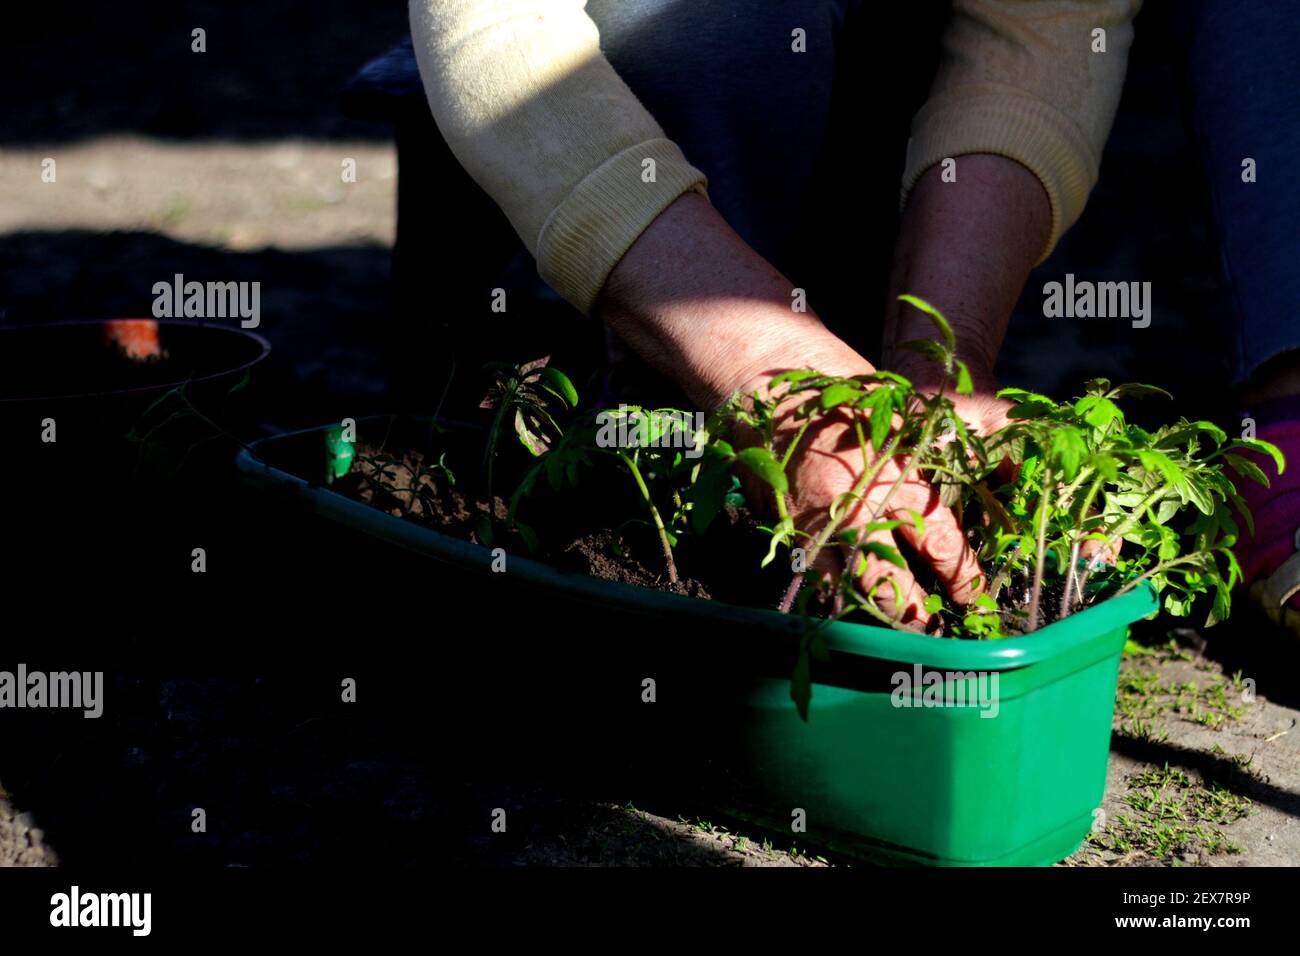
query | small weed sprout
[524, 395]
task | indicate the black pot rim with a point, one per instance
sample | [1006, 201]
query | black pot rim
[263, 344]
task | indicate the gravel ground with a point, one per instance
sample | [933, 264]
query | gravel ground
[283, 778]
[22, 842]
[1239, 804]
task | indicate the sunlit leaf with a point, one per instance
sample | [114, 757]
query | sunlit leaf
[1262, 448]
[760, 461]
[559, 385]
[965, 385]
[1068, 449]
[935, 316]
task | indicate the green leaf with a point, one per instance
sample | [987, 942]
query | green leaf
[708, 492]
[1188, 431]
[1006, 443]
[1105, 465]
[242, 383]
[1200, 494]
[1136, 436]
[1031, 409]
[1097, 410]
[1230, 494]
[869, 527]
[554, 466]
[1023, 395]
[837, 395]
[930, 349]
[965, 385]
[1213, 430]
[558, 384]
[933, 604]
[760, 461]
[780, 535]
[1234, 569]
[530, 439]
[1262, 448]
[1121, 501]
[935, 316]
[1222, 605]
[1168, 547]
[1158, 461]
[880, 375]
[1166, 510]
[794, 376]
[1136, 390]
[894, 588]
[885, 552]
[1247, 468]
[1069, 450]
[530, 537]
[880, 404]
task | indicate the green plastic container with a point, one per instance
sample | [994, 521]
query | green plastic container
[1012, 777]
[1013, 781]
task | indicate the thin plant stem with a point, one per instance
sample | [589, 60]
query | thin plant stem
[630, 464]
[996, 587]
[1069, 582]
[1040, 554]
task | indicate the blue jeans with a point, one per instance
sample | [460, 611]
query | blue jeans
[804, 156]
[1244, 66]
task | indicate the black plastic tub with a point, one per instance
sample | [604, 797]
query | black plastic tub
[94, 378]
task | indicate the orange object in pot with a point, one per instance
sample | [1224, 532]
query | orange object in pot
[137, 338]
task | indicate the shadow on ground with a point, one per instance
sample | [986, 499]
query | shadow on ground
[269, 71]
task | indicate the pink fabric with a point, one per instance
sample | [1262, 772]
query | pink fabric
[1276, 509]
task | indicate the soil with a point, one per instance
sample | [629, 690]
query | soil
[596, 540]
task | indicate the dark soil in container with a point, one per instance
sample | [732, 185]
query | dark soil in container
[602, 530]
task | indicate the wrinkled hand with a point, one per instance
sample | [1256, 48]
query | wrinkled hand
[829, 462]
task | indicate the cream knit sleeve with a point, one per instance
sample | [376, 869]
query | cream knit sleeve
[535, 113]
[1021, 78]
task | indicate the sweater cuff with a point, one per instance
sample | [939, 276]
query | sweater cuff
[587, 234]
[989, 118]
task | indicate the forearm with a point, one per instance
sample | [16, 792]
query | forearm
[1029, 80]
[697, 303]
[530, 107]
[967, 247]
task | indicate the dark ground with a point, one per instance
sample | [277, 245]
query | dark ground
[226, 684]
